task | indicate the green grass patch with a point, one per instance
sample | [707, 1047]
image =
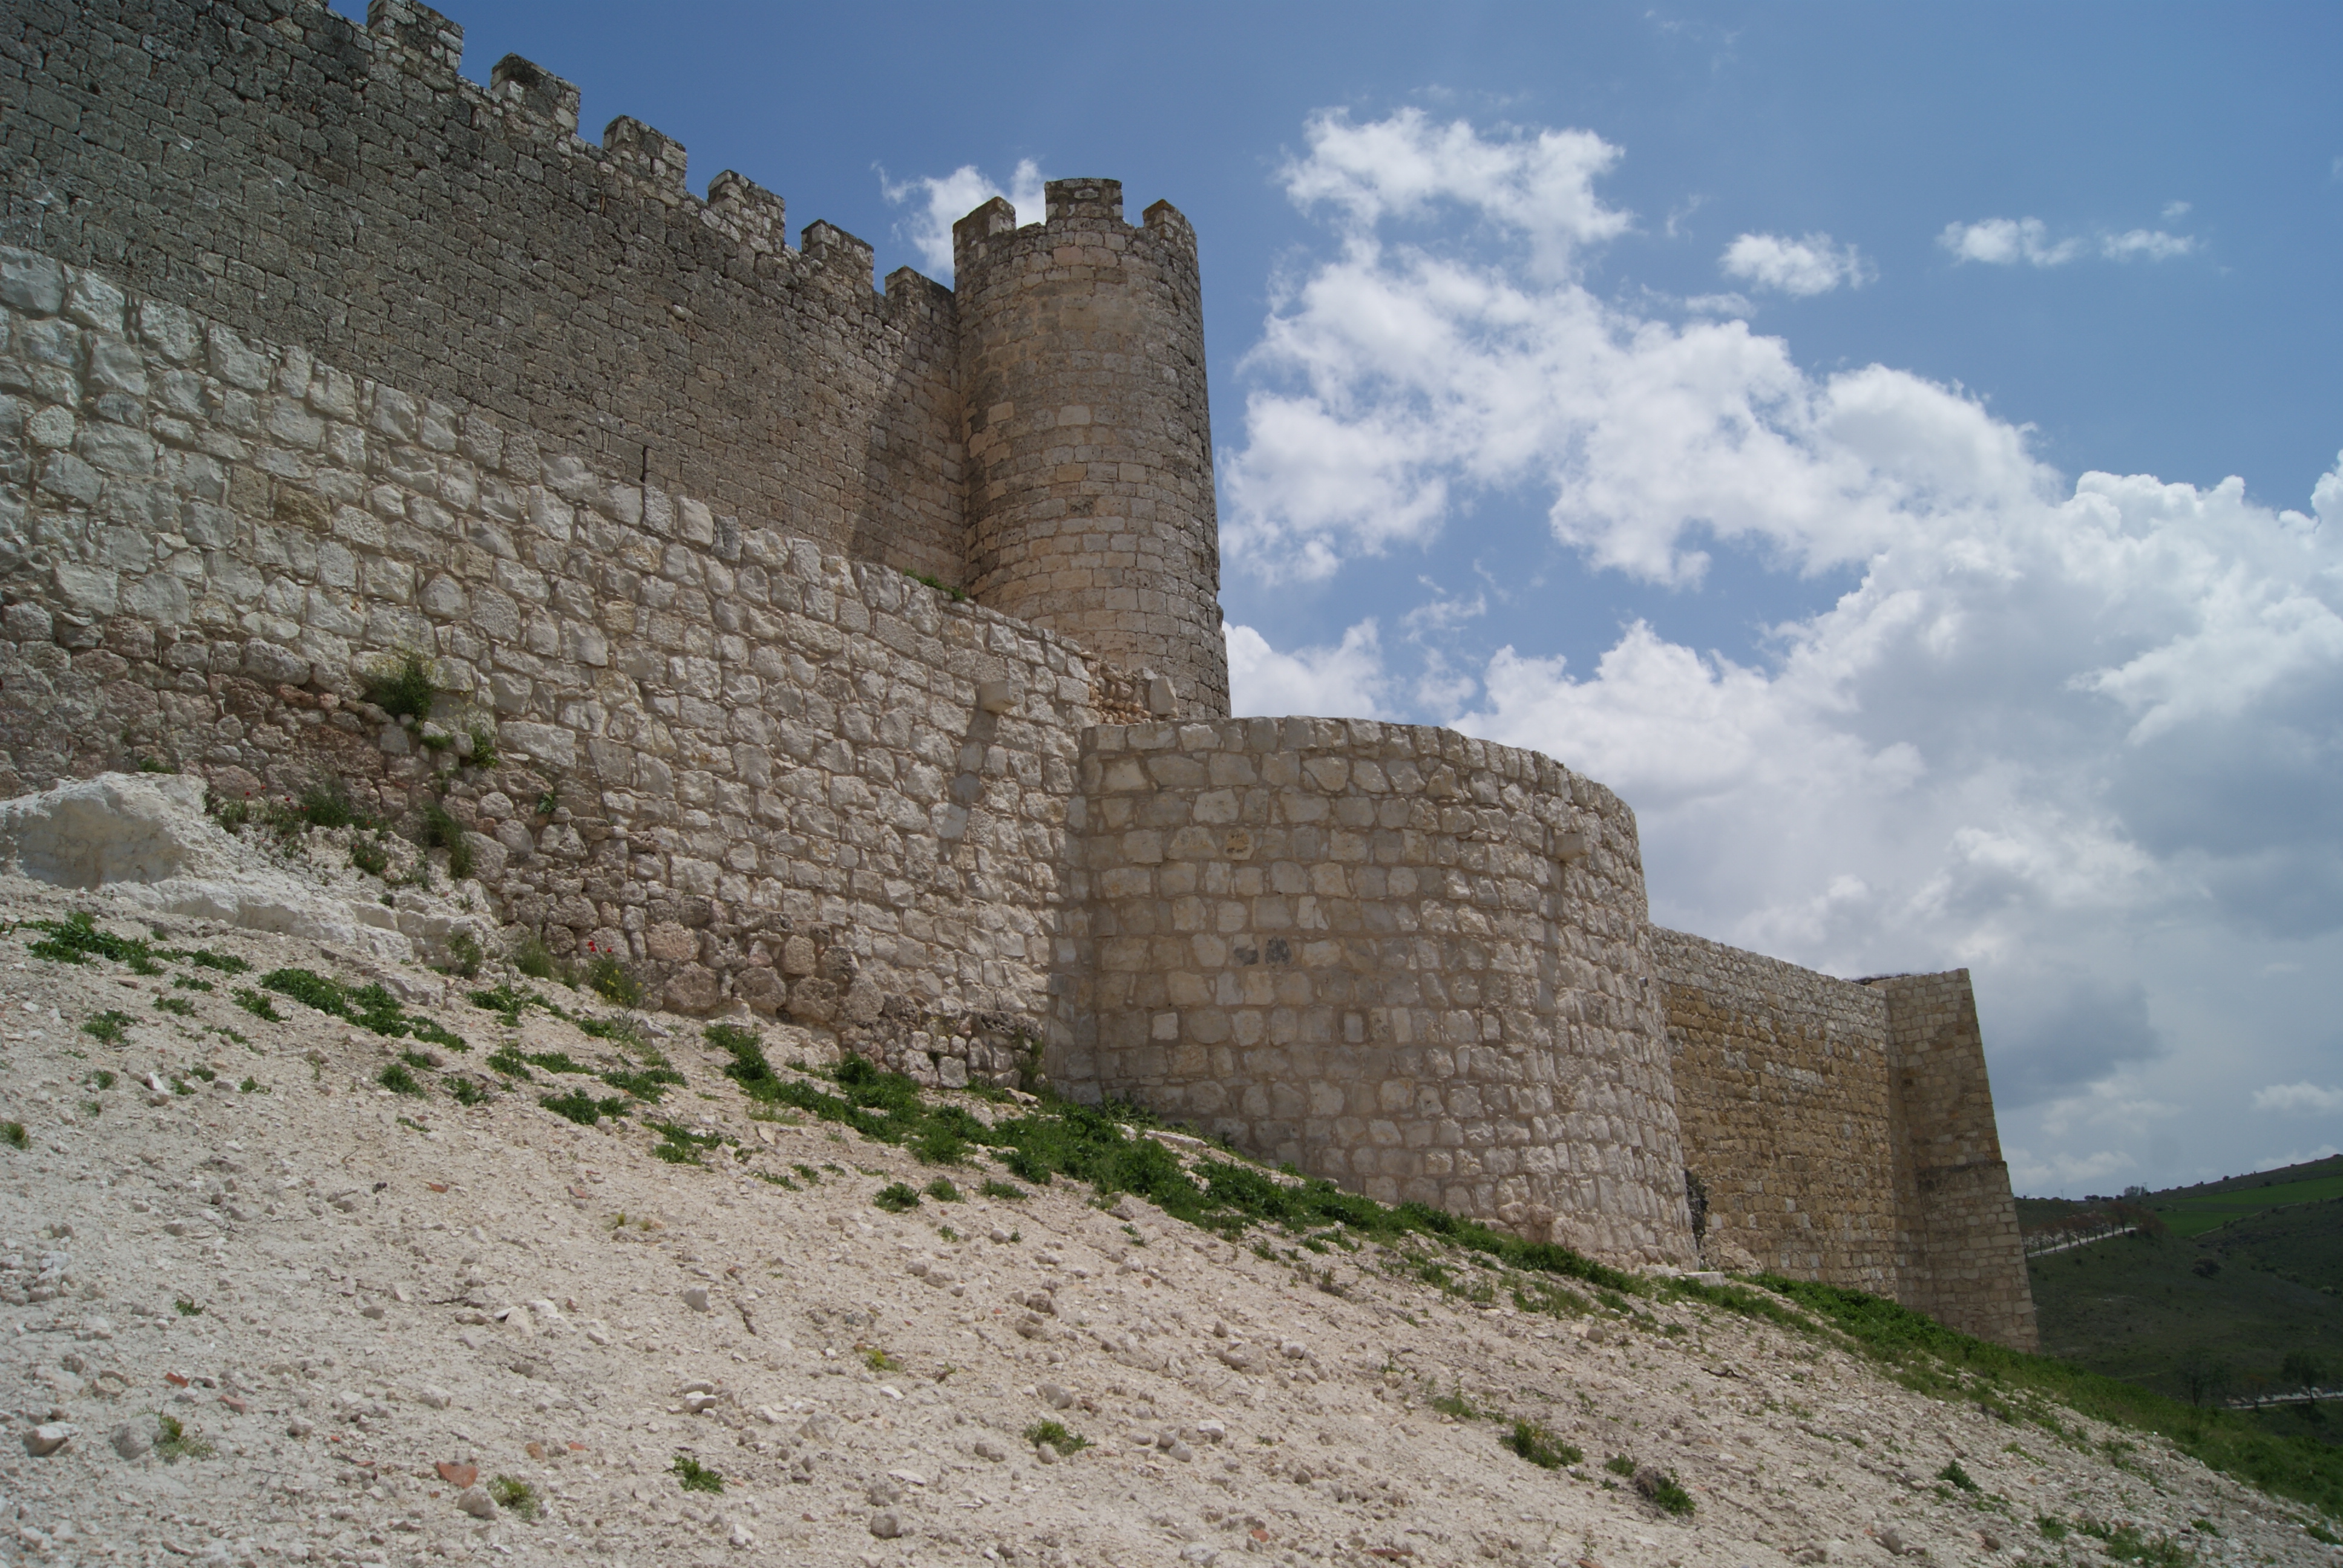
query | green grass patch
[1929, 1358]
[611, 980]
[582, 1108]
[225, 963]
[897, 1198]
[942, 1190]
[647, 1085]
[177, 1005]
[77, 938]
[398, 1080]
[257, 1005]
[188, 982]
[555, 1061]
[679, 1145]
[111, 1027]
[511, 1063]
[464, 1090]
[1006, 1192]
[13, 1135]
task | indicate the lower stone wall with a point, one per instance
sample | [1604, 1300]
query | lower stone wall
[753, 770]
[1783, 1098]
[1401, 958]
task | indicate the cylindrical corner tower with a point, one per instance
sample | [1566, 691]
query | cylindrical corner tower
[1090, 447]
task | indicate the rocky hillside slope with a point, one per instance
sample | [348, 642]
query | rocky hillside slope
[274, 1293]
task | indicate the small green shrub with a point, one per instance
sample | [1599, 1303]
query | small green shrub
[155, 765]
[464, 955]
[403, 687]
[1540, 1447]
[13, 1135]
[1663, 1492]
[464, 1090]
[1620, 1464]
[251, 1086]
[1055, 1434]
[511, 1064]
[1008, 1191]
[2052, 1529]
[555, 1061]
[514, 1495]
[1953, 1475]
[621, 1030]
[897, 1198]
[225, 963]
[188, 982]
[187, 1307]
[368, 856]
[176, 1004]
[484, 745]
[533, 957]
[937, 583]
[942, 1190]
[399, 1080]
[174, 1442]
[102, 1079]
[257, 1005]
[609, 979]
[442, 830]
[696, 1476]
[113, 1027]
[419, 1058]
[325, 803]
[876, 1357]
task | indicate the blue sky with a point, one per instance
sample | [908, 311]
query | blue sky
[1811, 421]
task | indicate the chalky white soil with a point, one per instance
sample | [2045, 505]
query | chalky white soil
[387, 1283]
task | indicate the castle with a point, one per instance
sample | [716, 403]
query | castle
[853, 656]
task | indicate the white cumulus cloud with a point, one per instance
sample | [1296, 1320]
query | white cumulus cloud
[2299, 1099]
[2004, 242]
[1344, 681]
[1810, 265]
[2078, 734]
[940, 201]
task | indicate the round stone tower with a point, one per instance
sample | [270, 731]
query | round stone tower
[1090, 447]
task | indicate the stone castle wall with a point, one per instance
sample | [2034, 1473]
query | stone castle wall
[1783, 1090]
[1970, 1270]
[773, 774]
[1843, 1131]
[1398, 957]
[314, 355]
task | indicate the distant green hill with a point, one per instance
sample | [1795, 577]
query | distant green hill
[2231, 1276]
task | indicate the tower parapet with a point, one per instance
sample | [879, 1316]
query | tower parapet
[1089, 439]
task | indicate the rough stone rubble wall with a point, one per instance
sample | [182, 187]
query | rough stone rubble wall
[1407, 960]
[1783, 1095]
[305, 180]
[1971, 1271]
[774, 775]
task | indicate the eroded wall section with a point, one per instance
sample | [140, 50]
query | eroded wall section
[1407, 960]
[1783, 1095]
[753, 769]
[302, 180]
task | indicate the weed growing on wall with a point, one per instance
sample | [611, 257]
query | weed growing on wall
[405, 687]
